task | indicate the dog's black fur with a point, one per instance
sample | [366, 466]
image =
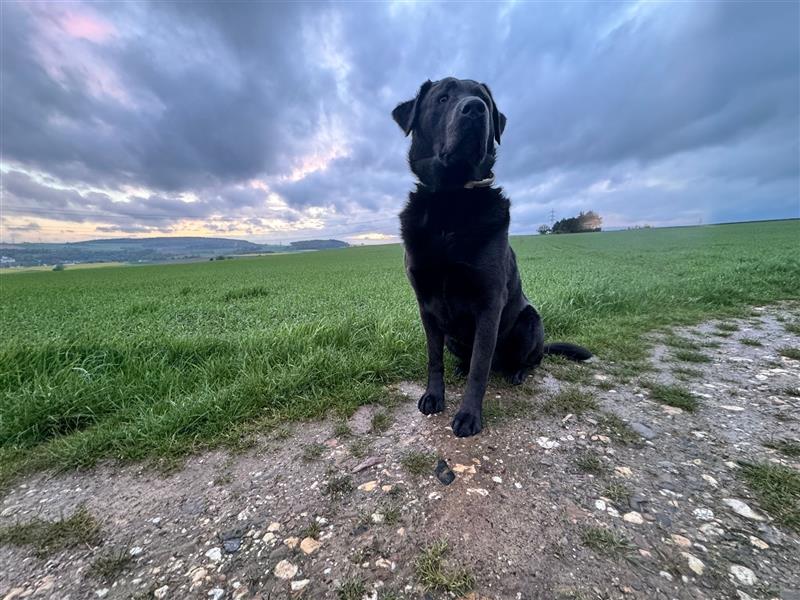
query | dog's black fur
[458, 259]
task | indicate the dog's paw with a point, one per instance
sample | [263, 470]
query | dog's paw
[466, 424]
[519, 377]
[431, 403]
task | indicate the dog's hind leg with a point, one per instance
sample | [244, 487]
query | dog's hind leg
[523, 347]
[462, 353]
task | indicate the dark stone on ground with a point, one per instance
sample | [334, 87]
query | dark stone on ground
[444, 473]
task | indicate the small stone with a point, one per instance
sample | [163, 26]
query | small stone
[742, 509]
[695, 564]
[268, 538]
[742, 575]
[368, 486]
[633, 517]
[731, 408]
[704, 514]
[300, 584]
[636, 502]
[477, 491]
[712, 530]
[216, 593]
[444, 473]
[387, 488]
[367, 463]
[214, 554]
[310, 545]
[710, 480]
[683, 542]
[469, 469]
[600, 505]
[101, 593]
[623, 472]
[665, 575]
[292, 542]
[198, 575]
[378, 518]
[161, 592]
[384, 564]
[547, 443]
[643, 430]
[285, 570]
[274, 526]
[231, 540]
[497, 479]
[135, 551]
[758, 543]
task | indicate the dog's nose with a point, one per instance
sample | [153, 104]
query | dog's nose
[473, 108]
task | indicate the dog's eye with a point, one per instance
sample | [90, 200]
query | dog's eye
[443, 99]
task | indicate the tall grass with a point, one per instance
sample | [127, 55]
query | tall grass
[157, 361]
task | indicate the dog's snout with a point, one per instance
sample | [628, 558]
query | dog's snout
[473, 107]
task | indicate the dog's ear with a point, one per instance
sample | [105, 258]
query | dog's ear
[498, 118]
[405, 114]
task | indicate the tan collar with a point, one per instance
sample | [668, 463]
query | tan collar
[479, 184]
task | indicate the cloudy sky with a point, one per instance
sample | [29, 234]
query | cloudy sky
[270, 121]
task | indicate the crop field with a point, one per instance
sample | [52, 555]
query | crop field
[154, 362]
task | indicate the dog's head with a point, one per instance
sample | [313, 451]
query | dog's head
[454, 124]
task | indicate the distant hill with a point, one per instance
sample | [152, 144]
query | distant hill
[319, 245]
[145, 250]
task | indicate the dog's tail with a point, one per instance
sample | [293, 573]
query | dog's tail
[570, 351]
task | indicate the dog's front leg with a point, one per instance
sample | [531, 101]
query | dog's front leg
[432, 400]
[468, 419]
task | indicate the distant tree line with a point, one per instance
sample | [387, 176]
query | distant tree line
[585, 222]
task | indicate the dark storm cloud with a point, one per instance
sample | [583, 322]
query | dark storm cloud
[642, 110]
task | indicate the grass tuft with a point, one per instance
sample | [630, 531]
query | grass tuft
[342, 430]
[619, 429]
[750, 341]
[418, 463]
[793, 353]
[777, 489]
[790, 448]
[360, 447]
[338, 486]
[590, 463]
[311, 530]
[111, 565]
[569, 400]
[312, 451]
[352, 588]
[672, 395]
[435, 575]
[48, 537]
[617, 492]
[691, 356]
[381, 421]
[605, 541]
[686, 373]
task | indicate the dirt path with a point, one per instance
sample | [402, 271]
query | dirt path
[557, 498]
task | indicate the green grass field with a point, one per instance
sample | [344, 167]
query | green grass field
[158, 361]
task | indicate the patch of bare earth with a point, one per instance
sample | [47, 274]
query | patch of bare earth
[603, 491]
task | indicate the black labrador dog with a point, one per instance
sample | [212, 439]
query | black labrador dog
[457, 256]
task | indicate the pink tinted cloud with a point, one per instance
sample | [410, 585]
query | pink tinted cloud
[86, 25]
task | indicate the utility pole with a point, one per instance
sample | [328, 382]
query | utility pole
[552, 217]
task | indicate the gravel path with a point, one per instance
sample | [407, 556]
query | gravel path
[582, 485]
